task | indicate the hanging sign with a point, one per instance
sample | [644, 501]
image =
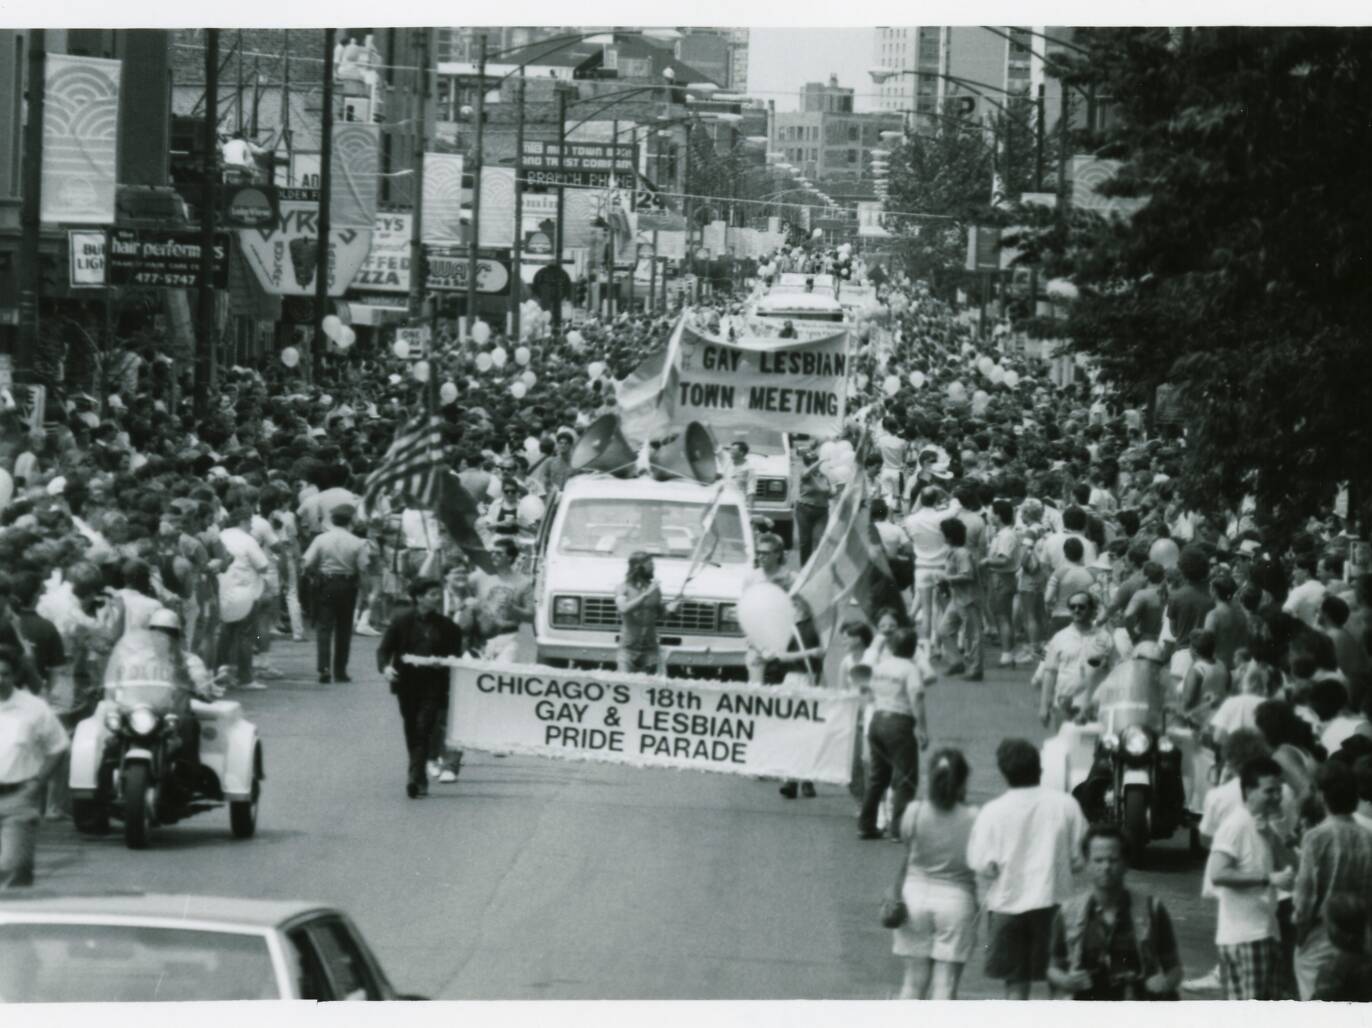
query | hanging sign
[150, 257]
[86, 253]
[285, 257]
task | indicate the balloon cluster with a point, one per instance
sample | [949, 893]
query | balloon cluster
[838, 461]
[341, 335]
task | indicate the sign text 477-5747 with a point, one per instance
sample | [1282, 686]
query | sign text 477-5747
[142, 257]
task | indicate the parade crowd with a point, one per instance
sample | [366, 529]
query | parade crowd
[1028, 518]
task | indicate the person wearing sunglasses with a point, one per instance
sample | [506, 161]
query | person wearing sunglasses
[502, 518]
[1076, 661]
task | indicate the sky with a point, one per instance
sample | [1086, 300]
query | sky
[781, 60]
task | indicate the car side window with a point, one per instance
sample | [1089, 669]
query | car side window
[310, 980]
[343, 961]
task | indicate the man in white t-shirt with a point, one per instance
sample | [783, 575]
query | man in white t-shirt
[1248, 863]
[1024, 846]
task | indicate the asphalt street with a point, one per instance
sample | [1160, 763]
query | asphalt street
[543, 879]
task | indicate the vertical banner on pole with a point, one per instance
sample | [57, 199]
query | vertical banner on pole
[497, 207]
[80, 139]
[355, 176]
[442, 198]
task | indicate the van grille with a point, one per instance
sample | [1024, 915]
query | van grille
[692, 617]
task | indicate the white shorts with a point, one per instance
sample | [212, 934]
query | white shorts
[927, 578]
[942, 924]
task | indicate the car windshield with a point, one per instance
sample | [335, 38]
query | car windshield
[617, 528]
[760, 440]
[92, 963]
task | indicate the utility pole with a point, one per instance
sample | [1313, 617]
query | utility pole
[517, 248]
[557, 227]
[238, 45]
[286, 107]
[476, 186]
[205, 344]
[418, 268]
[30, 274]
[321, 282]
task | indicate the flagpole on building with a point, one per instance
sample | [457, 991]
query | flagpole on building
[321, 281]
[30, 274]
[205, 341]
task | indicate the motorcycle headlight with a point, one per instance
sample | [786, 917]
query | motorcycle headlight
[142, 720]
[1166, 745]
[728, 616]
[1109, 741]
[1136, 741]
[113, 720]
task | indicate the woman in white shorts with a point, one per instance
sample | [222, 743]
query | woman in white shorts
[938, 887]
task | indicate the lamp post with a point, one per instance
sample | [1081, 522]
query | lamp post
[476, 187]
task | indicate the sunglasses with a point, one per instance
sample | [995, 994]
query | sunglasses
[1076, 607]
[768, 553]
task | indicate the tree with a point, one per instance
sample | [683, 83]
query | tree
[1243, 279]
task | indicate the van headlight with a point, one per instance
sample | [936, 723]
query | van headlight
[142, 721]
[566, 610]
[1136, 741]
[1166, 745]
[728, 617]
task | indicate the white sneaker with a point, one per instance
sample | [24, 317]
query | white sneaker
[365, 629]
[1205, 983]
[432, 769]
[254, 686]
[448, 776]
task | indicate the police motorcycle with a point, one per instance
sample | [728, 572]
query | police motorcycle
[1127, 767]
[154, 753]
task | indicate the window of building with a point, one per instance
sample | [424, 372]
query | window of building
[853, 133]
[852, 156]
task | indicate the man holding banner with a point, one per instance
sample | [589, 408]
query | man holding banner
[639, 601]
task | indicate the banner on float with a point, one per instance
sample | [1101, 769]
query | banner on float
[80, 139]
[788, 385]
[643, 721]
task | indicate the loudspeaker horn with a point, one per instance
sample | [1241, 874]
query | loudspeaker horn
[689, 455]
[604, 448]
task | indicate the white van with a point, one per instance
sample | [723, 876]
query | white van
[774, 474]
[597, 523]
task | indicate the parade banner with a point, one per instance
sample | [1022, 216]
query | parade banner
[795, 732]
[354, 175]
[285, 256]
[441, 200]
[790, 385]
[80, 139]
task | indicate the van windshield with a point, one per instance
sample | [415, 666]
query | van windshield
[617, 528]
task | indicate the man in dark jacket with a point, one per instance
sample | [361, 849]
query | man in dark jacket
[420, 631]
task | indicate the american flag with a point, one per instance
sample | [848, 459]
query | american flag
[411, 464]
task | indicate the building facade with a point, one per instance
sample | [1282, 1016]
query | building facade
[826, 97]
[831, 148]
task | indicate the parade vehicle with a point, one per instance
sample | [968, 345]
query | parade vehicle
[133, 947]
[138, 760]
[774, 475]
[694, 525]
[807, 302]
[1129, 767]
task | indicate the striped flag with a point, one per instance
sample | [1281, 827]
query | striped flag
[847, 563]
[411, 464]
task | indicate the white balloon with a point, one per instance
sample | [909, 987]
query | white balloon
[997, 375]
[827, 449]
[481, 333]
[531, 508]
[595, 369]
[499, 356]
[817, 234]
[984, 365]
[6, 488]
[576, 340]
[531, 447]
[401, 348]
[447, 392]
[330, 326]
[957, 391]
[529, 379]
[891, 386]
[843, 450]
[346, 338]
[1012, 379]
[842, 474]
[290, 356]
[980, 401]
[522, 355]
[421, 371]
[767, 617]
[917, 379]
[861, 382]
[484, 362]
[518, 389]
